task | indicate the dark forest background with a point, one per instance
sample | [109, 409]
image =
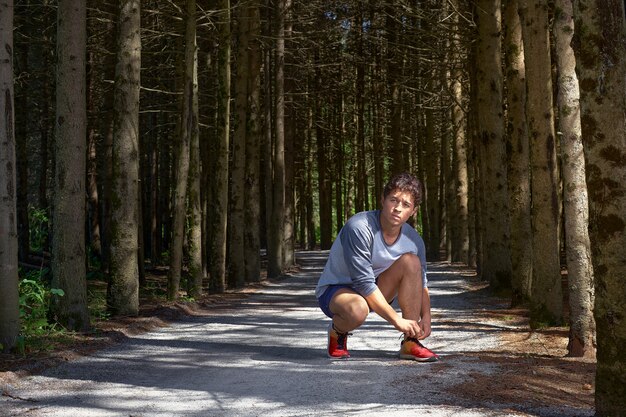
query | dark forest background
[212, 139]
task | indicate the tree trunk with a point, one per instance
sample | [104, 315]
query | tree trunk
[236, 224]
[92, 195]
[155, 211]
[579, 268]
[546, 293]
[447, 187]
[601, 67]
[496, 265]
[473, 178]
[394, 71]
[360, 160]
[68, 249]
[107, 189]
[106, 148]
[100, 69]
[123, 292]
[338, 161]
[518, 158]
[22, 125]
[45, 127]
[432, 149]
[277, 216]
[207, 144]
[252, 213]
[9, 308]
[378, 144]
[191, 121]
[289, 254]
[141, 253]
[473, 211]
[355, 200]
[267, 233]
[460, 243]
[219, 204]
[323, 157]
[180, 177]
[310, 219]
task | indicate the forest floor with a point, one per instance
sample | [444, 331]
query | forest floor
[261, 351]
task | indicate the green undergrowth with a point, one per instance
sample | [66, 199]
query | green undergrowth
[40, 333]
[35, 296]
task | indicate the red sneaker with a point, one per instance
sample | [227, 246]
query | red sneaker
[411, 348]
[337, 344]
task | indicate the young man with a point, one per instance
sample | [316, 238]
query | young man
[376, 258]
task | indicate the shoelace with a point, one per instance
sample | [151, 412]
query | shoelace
[410, 339]
[341, 337]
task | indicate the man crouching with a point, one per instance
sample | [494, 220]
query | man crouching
[375, 258]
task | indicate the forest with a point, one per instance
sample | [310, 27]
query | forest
[205, 137]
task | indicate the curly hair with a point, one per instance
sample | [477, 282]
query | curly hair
[406, 183]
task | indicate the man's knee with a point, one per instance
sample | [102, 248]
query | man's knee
[356, 310]
[351, 307]
[359, 311]
[410, 262]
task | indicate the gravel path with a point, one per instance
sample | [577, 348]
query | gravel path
[266, 357]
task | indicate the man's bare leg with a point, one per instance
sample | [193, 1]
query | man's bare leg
[404, 280]
[349, 310]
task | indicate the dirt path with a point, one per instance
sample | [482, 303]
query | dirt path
[264, 355]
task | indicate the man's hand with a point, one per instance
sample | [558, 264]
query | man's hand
[424, 325]
[380, 305]
[410, 328]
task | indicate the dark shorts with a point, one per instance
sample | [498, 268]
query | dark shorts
[324, 299]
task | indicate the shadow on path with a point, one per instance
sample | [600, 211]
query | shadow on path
[265, 355]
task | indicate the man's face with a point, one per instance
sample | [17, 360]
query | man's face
[398, 206]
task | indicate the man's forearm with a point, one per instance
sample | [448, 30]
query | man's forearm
[380, 306]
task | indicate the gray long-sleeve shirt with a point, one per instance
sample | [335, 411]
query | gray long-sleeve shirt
[360, 254]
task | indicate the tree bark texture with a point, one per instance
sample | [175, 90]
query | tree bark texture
[277, 218]
[310, 219]
[9, 308]
[323, 161]
[432, 165]
[575, 204]
[22, 123]
[191, 122]
[106, 149]
[68, 246]
[460, 233]
[268, 142]
[473, 177]
[180, 176]
[252, 195]
[339, 166]
[546, 294]
[92, 194]
[496, 255]
[394, 73]
[359, 91]
[219, 203]
[518, 157]
[290, 117]
[236, 225]
[601, 68]
[123, 292]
